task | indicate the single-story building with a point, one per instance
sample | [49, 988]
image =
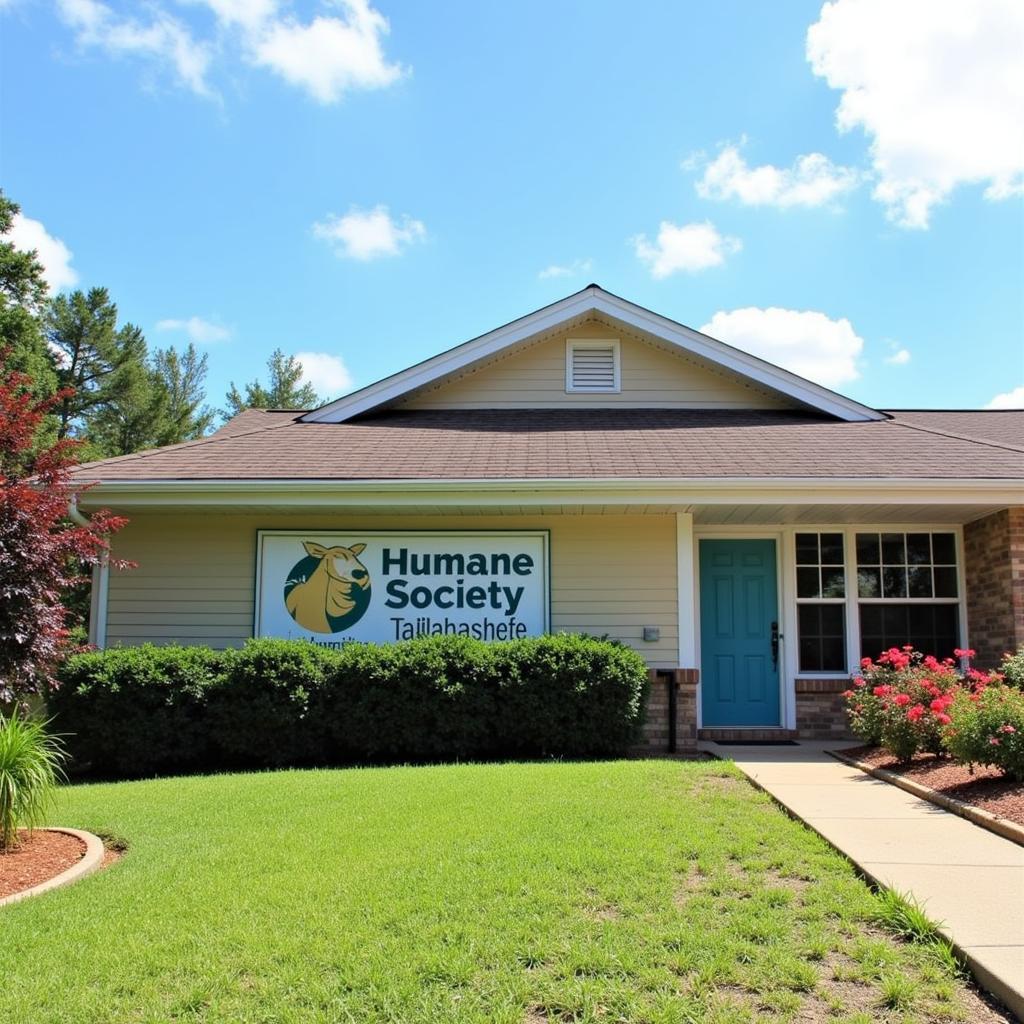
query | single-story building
[595, 467]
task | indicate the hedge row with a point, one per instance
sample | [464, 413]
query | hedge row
[148, 710]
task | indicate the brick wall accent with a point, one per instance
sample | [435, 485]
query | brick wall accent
[994, 569]
[820, 709]
[656, 734]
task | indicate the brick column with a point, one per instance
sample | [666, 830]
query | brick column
[820, 710]
[994, 569]
[685, 681]
[656, 733]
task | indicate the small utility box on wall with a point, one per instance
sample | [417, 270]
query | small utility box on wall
[652, 633]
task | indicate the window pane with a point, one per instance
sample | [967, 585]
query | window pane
[944, 548]
[945, 581]
[831, 549]
[893, 549]
[919, 580]
[894, 581]
[869, 582]
[931, 628]
[822, 637]
[868, 552]
[807, 582]
[919, 548]
[806, 549]
[832, 583]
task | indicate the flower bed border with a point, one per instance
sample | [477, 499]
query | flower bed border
[986, 819]
[92, 860]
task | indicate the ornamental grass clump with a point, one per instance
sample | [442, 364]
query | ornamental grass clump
[31, 765]
[987, 728]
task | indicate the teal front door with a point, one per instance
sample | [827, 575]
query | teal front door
[739, 671]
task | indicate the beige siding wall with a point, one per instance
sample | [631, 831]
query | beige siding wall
[651, 377]
[195, 580]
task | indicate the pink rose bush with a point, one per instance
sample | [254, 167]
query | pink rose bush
[987, 728]
[906, 701]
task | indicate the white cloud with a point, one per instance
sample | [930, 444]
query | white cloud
[937, 85]
[369, 234]
[689, 247]
[813, 180]
[27, 234]
[804, 341]
[202, 332]
[897, 356]
[573, 269]
[1008, 400]
[329, 56]
[162, 38]
[328, 374]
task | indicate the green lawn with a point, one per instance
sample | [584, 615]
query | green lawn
[641, 891]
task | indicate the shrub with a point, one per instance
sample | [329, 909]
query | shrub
[146, 710]
[1012, 669]
[138, 710]
[30, 766]
[987, 728]
[901, 701]
[258, 710]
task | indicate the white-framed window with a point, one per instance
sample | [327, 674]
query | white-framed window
[821, 601]
[908, 591]
[592, 365]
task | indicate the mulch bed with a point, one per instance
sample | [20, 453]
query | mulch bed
[39, 856]
[984, 787]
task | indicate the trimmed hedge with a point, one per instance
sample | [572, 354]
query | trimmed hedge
[137, 711]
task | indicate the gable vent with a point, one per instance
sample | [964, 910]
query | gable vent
[592, 366]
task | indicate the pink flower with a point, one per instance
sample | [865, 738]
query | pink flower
[943, 718]
[901, 700]
[915, 712]
[882, 691]
[1007, 728]
[865, 663]
[993, 741]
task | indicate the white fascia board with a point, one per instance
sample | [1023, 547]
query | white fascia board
[592, 299]
[453, 360]
[497, 493]
[737, 360]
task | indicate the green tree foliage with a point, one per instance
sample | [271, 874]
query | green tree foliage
[181, 379]
[22, 300]
[285, 389]
[125, 399]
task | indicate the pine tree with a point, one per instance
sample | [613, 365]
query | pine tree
[22, 301]
[181, 379]
[284, 391]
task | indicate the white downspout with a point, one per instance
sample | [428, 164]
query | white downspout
[100, 584]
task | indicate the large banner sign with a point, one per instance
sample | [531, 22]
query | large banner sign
[332, 588]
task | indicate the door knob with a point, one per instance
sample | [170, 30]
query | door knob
[775, 644]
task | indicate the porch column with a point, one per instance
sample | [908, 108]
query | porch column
[685, 589]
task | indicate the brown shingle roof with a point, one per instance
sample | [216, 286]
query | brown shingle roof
[1001, 426]
[568, 444]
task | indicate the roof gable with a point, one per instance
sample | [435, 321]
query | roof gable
[594, 301]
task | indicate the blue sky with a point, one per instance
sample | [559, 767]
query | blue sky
[837, 188]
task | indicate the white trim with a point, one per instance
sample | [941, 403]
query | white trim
[612, 344]
[592, 300]
[596, 490]
[686, 590]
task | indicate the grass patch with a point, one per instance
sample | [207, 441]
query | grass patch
[634, 891]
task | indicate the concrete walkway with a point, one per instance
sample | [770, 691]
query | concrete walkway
[968, 879]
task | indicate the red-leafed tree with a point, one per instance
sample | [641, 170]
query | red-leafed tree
[42, 554]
